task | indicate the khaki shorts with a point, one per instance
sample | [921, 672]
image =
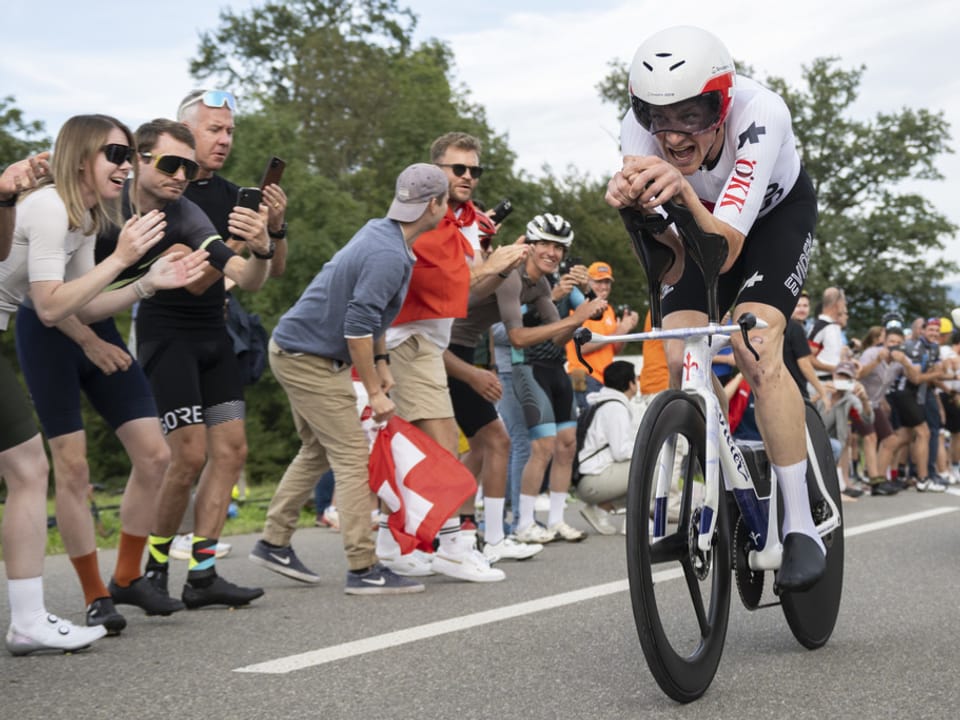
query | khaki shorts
[421, 391]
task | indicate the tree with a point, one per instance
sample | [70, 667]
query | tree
[876, 237]
[19, 138]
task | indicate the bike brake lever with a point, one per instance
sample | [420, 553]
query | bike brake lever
[747, 322]
[581, 336]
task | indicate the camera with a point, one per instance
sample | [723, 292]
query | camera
[568, 263]
[622, 310]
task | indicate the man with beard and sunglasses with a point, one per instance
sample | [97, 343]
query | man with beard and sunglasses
[187, 355]
[724, 147]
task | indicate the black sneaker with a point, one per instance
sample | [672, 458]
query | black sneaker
[883, 488]
[219, 592]
[282, 559]
[146, 595]
[102, 612]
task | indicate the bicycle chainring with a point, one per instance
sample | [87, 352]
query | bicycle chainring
[749, 582]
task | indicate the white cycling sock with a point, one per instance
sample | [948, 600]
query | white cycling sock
[558, 502]
[26, 601]
[792, 481]
[449, 534]
[387, 545]
[493, 519]
[527, 504]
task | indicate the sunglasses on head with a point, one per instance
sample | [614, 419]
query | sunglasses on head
[117, 154]
[169, 164]
[459, 169]
[213, 99]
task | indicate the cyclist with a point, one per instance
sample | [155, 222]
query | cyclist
[724, 147]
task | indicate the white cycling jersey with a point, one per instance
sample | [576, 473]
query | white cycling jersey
[757, 167]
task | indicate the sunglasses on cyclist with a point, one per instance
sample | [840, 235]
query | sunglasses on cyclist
[693, 116]
[459, 169]
[118, 154]
[169, 164]
[212, 99]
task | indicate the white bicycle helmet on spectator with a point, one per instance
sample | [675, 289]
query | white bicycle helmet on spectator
[550, 227]
[677, 64]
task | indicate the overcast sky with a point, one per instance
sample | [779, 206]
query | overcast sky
[532, 64]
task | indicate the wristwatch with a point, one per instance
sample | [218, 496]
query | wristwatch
[270, 251]
[12, 200]
[279, 234]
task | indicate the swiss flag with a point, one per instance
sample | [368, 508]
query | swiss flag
[420, 481]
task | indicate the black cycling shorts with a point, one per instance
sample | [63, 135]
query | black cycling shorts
[195, 377]
[56, 370]
[906, 411]
[546, 398]
[17, 422]
[772, 266]
[472, 411]
[951, 410]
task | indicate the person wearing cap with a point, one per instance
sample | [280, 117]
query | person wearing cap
[930, 339]
[910, 371]
[340, 322]
[600, 281]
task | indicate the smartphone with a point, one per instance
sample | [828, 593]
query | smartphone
[273, 172]
[249, 197]
[500, 212]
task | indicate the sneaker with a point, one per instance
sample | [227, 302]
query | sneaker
[219, 592]
[852, 492]
[469, 564]
[330, 519]
[883, 488]
[562, 531]
[102, 612]
[930, 485]
[536, 534]
[380, 580]
[510, 549]
[146, 595]
[282, 560]
[598, 519]
[414, 564]
[182, 547]
[52, 633]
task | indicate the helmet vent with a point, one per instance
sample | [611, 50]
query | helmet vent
[676, 65]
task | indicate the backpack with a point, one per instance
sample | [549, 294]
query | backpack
[249, 340]
[818, 326]
[583, 424]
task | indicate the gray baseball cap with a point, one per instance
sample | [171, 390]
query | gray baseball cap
[415, 186]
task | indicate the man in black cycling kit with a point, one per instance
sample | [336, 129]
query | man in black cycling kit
[724, 147]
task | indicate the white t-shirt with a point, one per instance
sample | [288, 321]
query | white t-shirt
[757, 167]
[44, 248]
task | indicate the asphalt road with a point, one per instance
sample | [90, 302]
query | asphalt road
[555, 640]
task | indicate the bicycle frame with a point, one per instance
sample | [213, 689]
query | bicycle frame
[759, 513]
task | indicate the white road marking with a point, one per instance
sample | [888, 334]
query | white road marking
[443, 627]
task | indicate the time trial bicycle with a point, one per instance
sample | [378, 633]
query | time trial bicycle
[684, 447]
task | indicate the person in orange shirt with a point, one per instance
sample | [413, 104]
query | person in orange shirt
[598, 355]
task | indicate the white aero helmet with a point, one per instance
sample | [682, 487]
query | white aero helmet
[550, 227]
[680, 64]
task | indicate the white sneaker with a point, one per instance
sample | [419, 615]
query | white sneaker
[52, 633]
[469, 565]
[415, 564]
[599, 519]
[563, 531]
[182, 547]
[536, 534]
[510, 549]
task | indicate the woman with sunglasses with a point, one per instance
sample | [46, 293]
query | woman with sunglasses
[55, 286]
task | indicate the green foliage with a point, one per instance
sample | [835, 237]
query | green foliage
[19, 138]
